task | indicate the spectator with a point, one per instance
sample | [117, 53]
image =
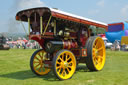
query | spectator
[91, 33]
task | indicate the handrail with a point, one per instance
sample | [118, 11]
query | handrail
[47, 24]
[23, 27]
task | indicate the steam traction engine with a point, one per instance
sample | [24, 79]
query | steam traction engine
[65, 40]
[3, 44]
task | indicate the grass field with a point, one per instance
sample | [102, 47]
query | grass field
[15, 70]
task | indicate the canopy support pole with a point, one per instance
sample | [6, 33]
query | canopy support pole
[41, 24]
[28, 25]
[54, 27]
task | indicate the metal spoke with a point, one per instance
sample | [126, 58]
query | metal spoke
[63, 72]
[97, 44]
[94, 46]
[35, 62]
[70, 66]
[94, 58]
[67, 69]
[96, 61]
[37, 58]
[37, 65]
[100, 48]
[40, 56]
[58, 67]
[61, 59]
[58, 62]
[94, 50]
[45, 69]
[59, 70]
[40, 68]
[70, 62]
[100, 58]
[68, 58]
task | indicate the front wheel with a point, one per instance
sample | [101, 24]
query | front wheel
[95, 59]
[64, 64]
[37, 63]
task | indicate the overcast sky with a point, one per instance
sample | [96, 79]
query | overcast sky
[107, 11]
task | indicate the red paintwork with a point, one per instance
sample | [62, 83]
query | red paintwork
[41, 10]
[102, 35]
[68, 44]
[49, 33]
[66, 17]
[83, 40]
[83, 52]
[73, 35]
[115, 24]
[76, 52]
[38, 39]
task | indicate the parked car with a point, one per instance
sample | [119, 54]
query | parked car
[107, 43]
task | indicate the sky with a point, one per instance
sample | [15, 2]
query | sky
[107, 11]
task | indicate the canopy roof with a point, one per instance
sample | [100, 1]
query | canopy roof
[24, 14]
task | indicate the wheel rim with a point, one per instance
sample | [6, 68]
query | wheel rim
[65, 65]
[38, 64]
[98, 52]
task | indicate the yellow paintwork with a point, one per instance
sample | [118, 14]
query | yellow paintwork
[124, 40]
[54, 27]
[47, 24]
[41, 24]
[28, 25]
[38, 63]
[98, 53]
[65, 65]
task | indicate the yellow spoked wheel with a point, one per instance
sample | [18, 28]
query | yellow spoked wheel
[95, 53]
[36, 63]
[64, 64]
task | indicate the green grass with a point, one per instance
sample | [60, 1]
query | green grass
[15, 70]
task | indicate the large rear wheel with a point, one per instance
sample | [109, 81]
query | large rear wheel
[37, 62]
[95, 59]
[64, 64]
